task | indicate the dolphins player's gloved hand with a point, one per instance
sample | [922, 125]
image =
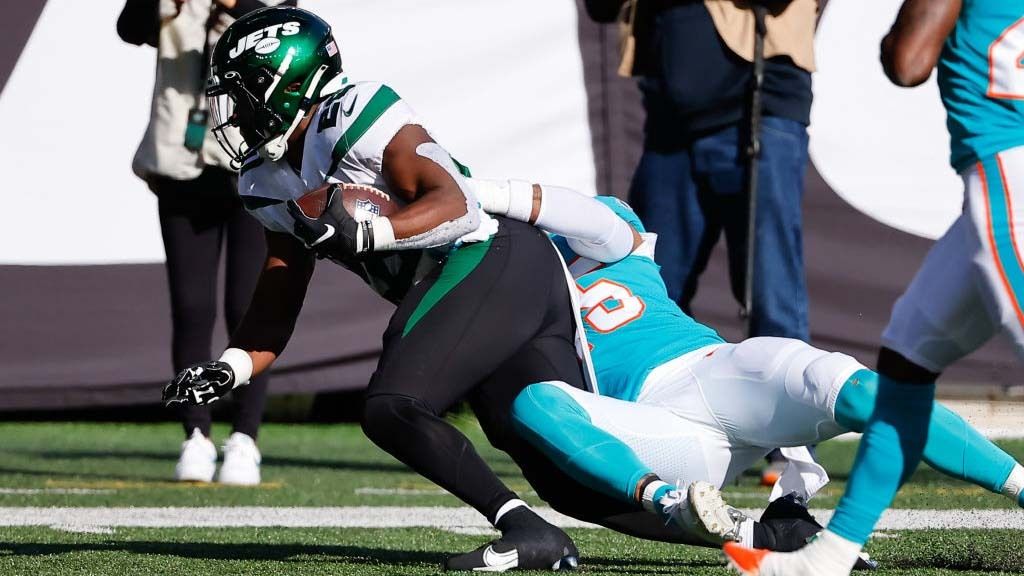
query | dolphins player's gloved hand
[335, 234]
[200, 384]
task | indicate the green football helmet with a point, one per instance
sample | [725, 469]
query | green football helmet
[269, 68]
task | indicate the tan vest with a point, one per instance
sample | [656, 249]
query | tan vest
[790, 32]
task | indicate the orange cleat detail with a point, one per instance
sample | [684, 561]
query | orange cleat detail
[745, 560]
[771, 474]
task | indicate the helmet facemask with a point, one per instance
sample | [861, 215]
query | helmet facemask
[242, 122]
[269, 69]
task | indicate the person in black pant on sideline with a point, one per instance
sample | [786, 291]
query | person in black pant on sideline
[200, 215]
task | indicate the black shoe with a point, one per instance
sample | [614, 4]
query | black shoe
[789, 526]
[527, 542]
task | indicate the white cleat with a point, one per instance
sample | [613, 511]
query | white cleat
[241, 465]
[198, 459]
[714, 520]
[827, 555]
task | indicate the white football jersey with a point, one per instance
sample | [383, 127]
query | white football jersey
[345, 142]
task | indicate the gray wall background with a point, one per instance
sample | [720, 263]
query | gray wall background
[81, 336]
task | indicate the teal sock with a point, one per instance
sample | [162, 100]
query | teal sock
[954, 447]
[549, 419]
[892, 446]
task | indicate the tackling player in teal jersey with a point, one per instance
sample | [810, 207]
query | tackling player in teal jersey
[971, 284]
[613, 297]
[678, 403]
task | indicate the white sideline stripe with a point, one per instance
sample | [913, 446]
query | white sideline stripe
[412, 517]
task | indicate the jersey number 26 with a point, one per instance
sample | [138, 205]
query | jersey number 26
[1005, 72]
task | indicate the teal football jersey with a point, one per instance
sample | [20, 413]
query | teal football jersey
[981, 79]
[632, 325]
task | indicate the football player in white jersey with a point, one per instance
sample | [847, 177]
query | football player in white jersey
[483, 303]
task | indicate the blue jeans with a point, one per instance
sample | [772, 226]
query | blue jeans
[689, 195]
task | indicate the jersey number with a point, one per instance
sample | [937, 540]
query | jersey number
[1005, 72]
[603, 318]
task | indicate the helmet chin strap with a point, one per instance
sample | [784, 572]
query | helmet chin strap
[276, 148]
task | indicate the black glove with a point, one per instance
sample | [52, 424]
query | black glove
[334, 233]
[200, 384]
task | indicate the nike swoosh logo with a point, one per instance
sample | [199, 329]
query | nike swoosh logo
[351, 107]
[500, 561]
[326, 235]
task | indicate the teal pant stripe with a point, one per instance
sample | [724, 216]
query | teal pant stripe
[892, 446]
[549, 419]
[954, 447]
[1006, 252]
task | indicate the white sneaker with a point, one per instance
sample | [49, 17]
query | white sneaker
[198, 459]
[241, 465]
[714, 520]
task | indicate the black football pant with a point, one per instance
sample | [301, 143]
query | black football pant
[496, 305]
[197, 218]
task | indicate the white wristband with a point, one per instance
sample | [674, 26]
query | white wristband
[383, 235]
[520, 204]
[241, 365]
[512, 198]
[493, 195]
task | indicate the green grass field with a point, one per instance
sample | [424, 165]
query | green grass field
[129, 465]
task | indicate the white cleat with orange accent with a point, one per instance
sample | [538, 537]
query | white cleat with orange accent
[827, 555]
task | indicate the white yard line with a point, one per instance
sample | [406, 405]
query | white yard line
[371, 491]
[409, 517]
[30, 491]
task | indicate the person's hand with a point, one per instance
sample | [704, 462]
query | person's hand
[200, 384]
[335, 234]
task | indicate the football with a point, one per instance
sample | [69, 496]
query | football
[360, 201]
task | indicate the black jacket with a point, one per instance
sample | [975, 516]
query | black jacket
[693, 83]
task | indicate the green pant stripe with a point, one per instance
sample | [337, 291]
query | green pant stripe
[459, 265]
[379, 103]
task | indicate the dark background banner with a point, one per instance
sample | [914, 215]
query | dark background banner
[83, 336]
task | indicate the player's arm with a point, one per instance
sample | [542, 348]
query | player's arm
[263, 332]
[276, 301]
[594, 230]
[440, 206]
[912, 47]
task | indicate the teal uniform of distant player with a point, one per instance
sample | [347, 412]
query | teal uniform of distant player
[970, 286]
[981, 80]
[619, 295]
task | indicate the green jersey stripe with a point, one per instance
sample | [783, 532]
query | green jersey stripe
[459, 265]
[383, 99]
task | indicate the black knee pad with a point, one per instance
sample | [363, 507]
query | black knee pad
[390, 418]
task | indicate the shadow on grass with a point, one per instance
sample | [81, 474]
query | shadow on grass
[316, 553]
[232, 551]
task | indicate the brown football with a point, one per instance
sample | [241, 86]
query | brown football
[360, 201]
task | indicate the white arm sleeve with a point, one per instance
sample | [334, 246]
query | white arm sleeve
[591, 229]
